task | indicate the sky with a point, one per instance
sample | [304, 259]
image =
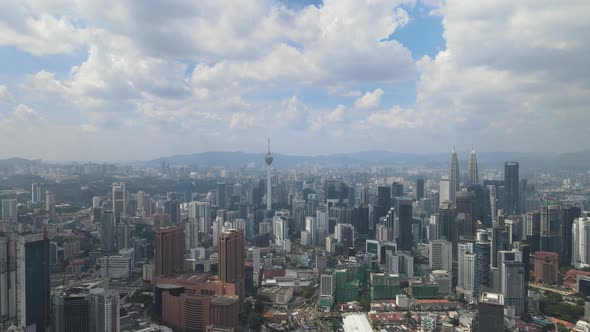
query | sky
[132, 80]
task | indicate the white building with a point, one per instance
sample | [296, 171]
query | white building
[466, 271]
[356, 323]
[581, 242]
[444, 190]
[116, 267]
[441, 255]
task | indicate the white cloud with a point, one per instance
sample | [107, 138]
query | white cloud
[5, 95]
[369, 100]
[25, 113]
[241, 120]
[396, 118]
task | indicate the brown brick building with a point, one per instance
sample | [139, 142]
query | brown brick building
[546, 267]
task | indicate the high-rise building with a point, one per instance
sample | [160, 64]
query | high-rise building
[564, 243]
[453, 176]
[581, 242]
[550, 221]
[464, 203]
[511, 193]
[444, 190]
[481, 248]
[466, 271]
[533, 230]
[491, 312]
[419, 189]
[546, 267]
[32, 281]
[511, 274]
[231, 258]
[473, 173]
[71, 311]
[108, 232]
[384, 199]
[441, 255]
[169, 250]
[397, 189]
[200, 214]
[104, 311]
[119, 199]
[268, 159]
[37, 193]
[220, 198]
[404, 218]
[172, 209]
[50, 204]
[280, 230]
[9, 211]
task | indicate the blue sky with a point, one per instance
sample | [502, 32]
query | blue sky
[133, 80]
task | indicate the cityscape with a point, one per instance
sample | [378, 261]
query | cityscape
[158, 246]
[294, 165]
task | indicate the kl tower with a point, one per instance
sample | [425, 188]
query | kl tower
[268, 159]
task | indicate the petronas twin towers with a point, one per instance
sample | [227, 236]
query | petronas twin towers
[454, 173]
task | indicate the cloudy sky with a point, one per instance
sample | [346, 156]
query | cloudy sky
[138, 79]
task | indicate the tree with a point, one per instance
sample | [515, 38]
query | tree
[365, 303]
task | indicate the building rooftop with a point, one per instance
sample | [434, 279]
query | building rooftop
[356, 322]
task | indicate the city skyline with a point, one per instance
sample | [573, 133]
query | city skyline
[157, 80]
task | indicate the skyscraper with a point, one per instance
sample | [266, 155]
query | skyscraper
[231, 258]
[481, 250]
[466, 271]
[119, 199]
[512, 197]
[104, 310]
[108, 231]
[453, 176]
[473, 174]
[9, 211]
[37, 193]
[169, 250]
[32, 281]
[581, 243]
[268, 159]
[491, 312]
[50, 204]
[419, 189]
[220, 199]
[443, 191]
[384, 199]
[404, 218]
[441, 255]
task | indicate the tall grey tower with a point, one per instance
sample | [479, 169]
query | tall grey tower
[511, 187]
[473, 176]
[268, 159]
[453, 176]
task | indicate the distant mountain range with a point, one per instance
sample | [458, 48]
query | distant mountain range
[528, 160]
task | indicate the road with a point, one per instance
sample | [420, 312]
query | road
[550, 289]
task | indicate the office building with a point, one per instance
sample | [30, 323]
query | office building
[108, 232]
[9, 211]
[116, 267]
[546, 267]
[550, 222]
[71, 311]
[581, 243]
[466, 271]
[200, 214]
[443, 191]
[473, 173]
[119, 199]
[397, 189]
[383, 199]
[404, 219]
[453, 176]
[104, 311]
[511, 184]
[231, 258]
[32, 282]
[37, 193]
[441, 255]
[50, 204]
[419, 189]
[491, 312]
[481, 249]
[169, 256]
